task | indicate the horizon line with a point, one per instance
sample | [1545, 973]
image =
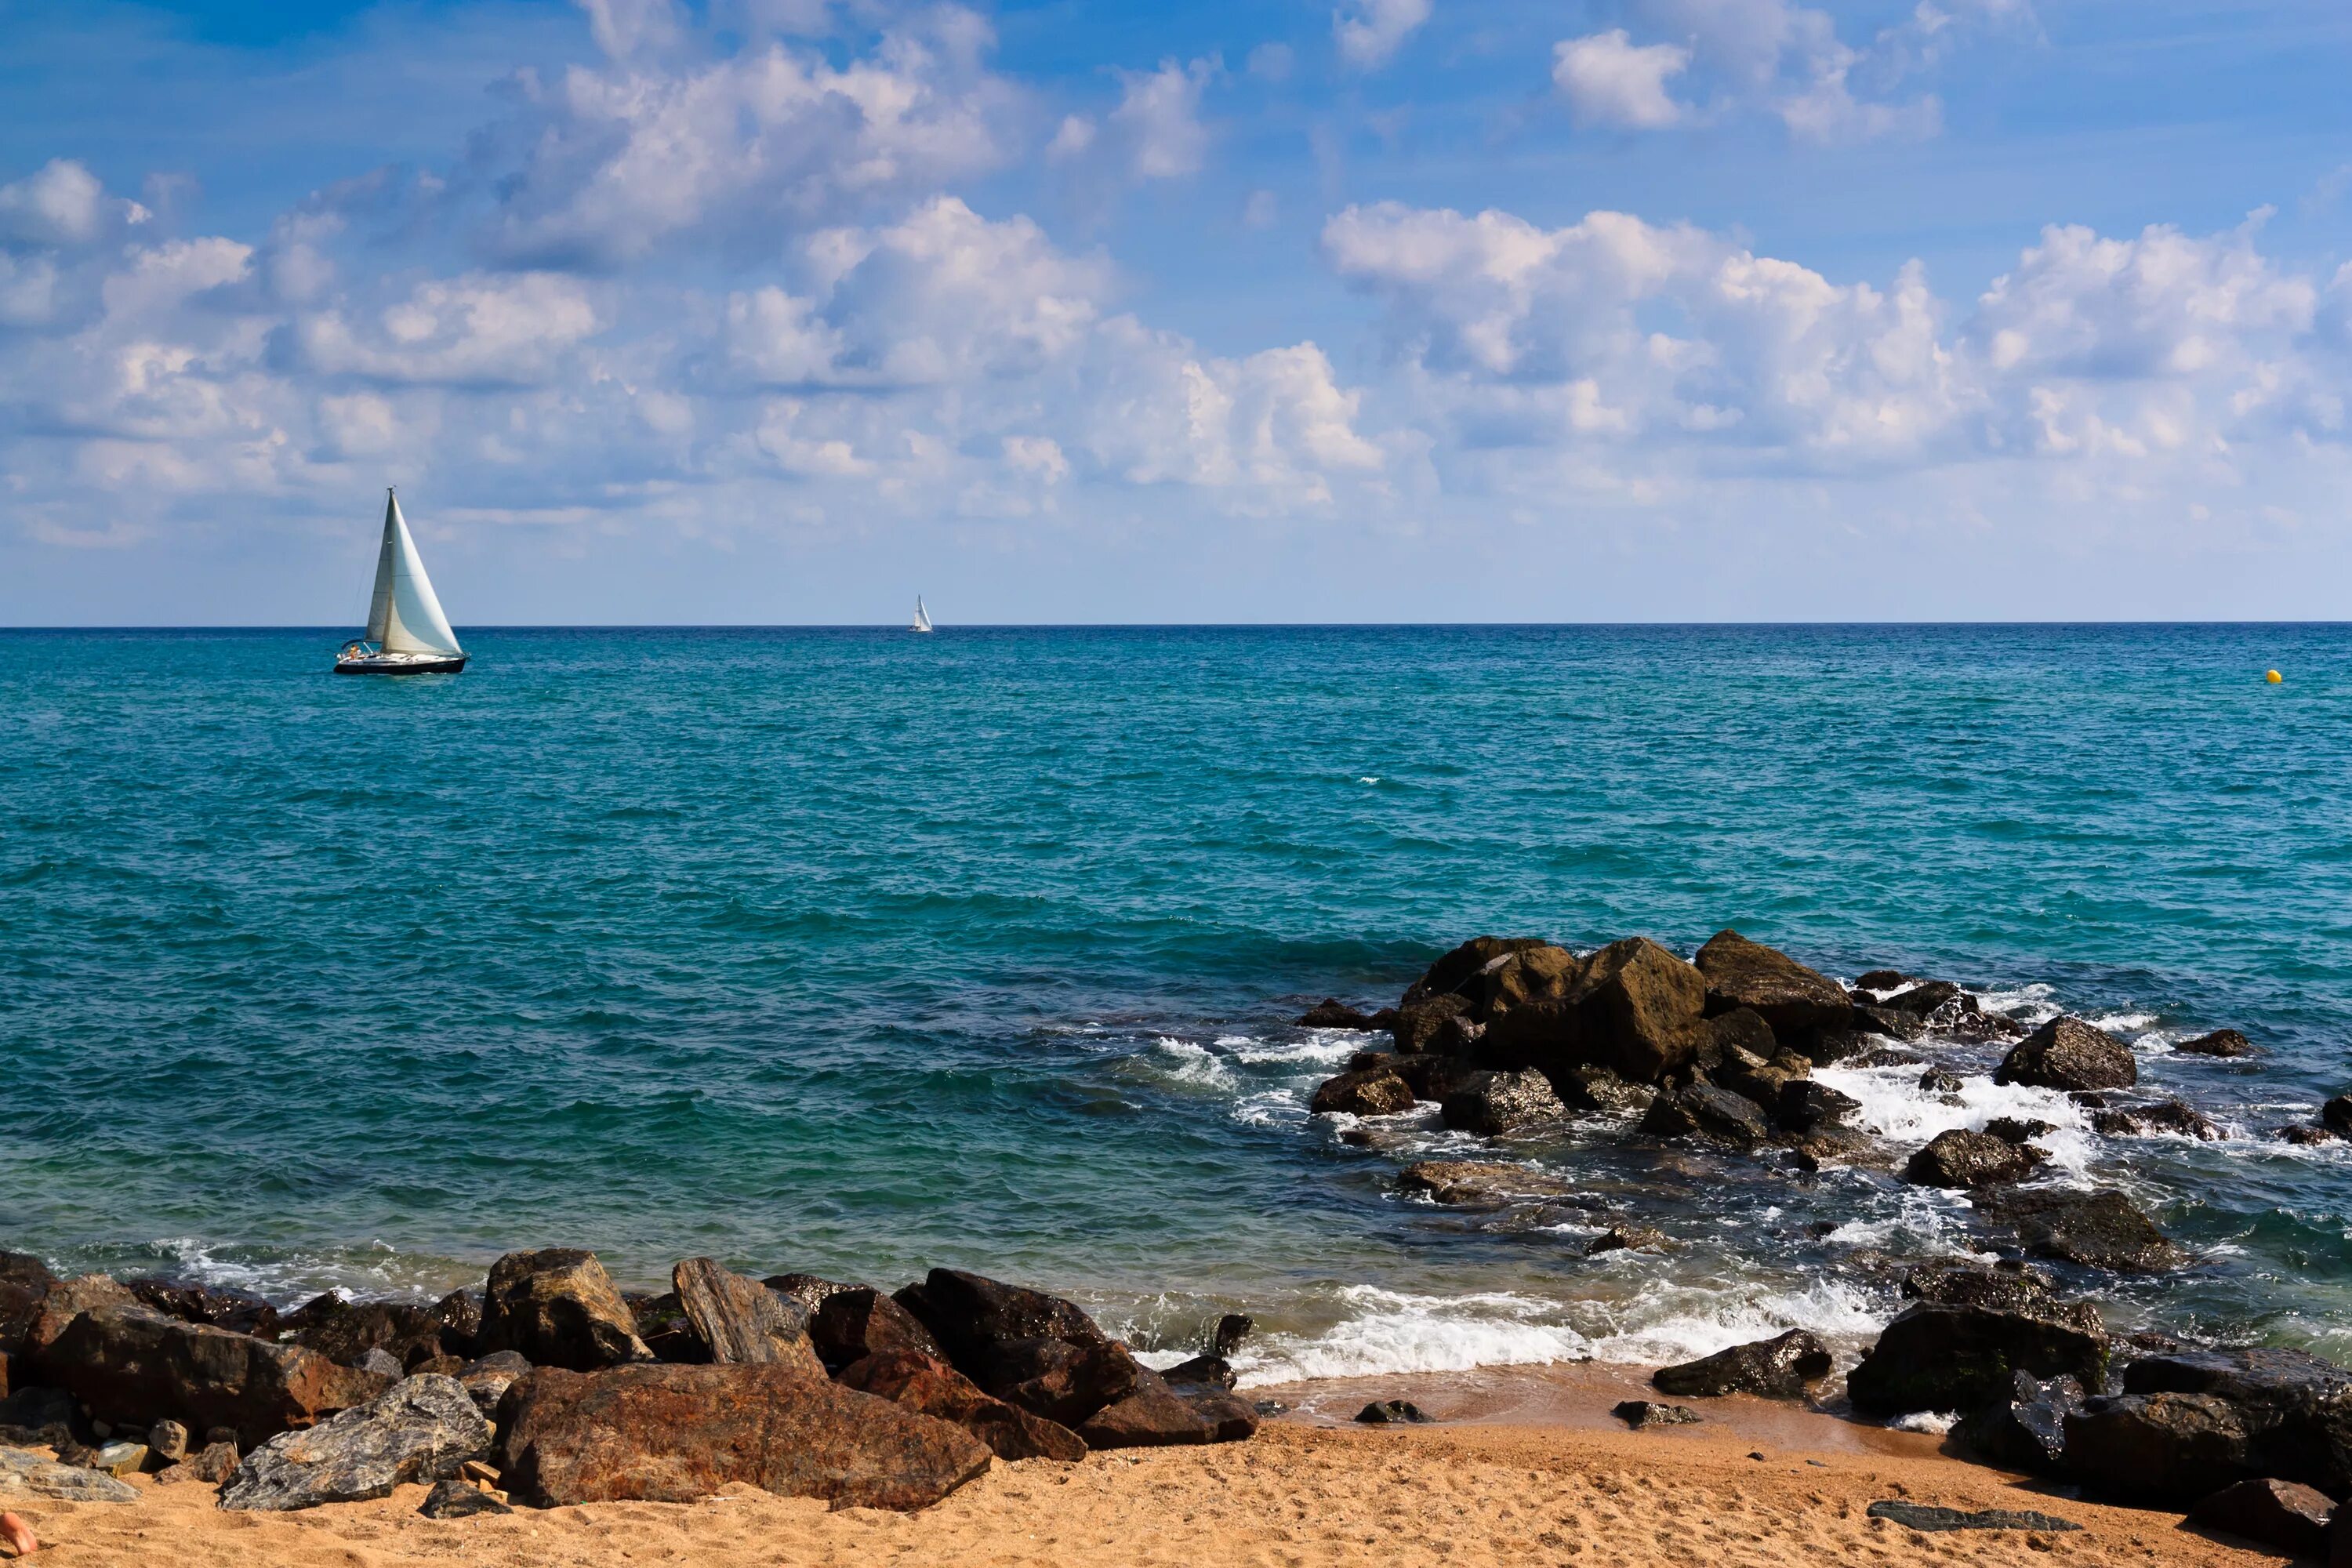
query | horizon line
[495, 626]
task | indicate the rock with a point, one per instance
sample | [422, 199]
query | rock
[1936, 1080]
[457, 1499]
[1742, 1029]
[67, 1300]
[1632, 1007]
[1599, 1088]
[121, 1458]
[1207, 1370]
[1922, 999]
[1888, 1023]
[131, 1363]
[2283, 1515]
[1375, 1091]
[25, 1474]
[741, 1320]
[1494, 1103]
[1420, 1025]
[1391, 1412]
[1478, 1182]
[656, 1433]
[2143, 1121]
[383, 1363]
[1627, 1238]
[238, 1310]
[1231, 1330]
[1703, 1110]
[807, 1291]
[1024, 1346]
[401, 1331]
[2337, 1116]
[661, 1323]
[1760, 1078]
[2165, 1449]
[421, 1430]
[2001, 1289]
[2295, 1408]
[1432, 1076]
[25, 1283]
[1775, 1369]
[1928, 1518]
[169, 1440]
[558, 1307]
[2307, 1135]
[458, 1316]
[1958, 1158]
[929, 1386]
[2220, 1043]
[860, 1321]
[1805, 1106]
[1791, 998]
[1332, 1014]
[1952, 1356]
[212, 1464]
[1451, 973]
[2102, 1229]
[1154, 1416]
[1229, 1418]
[1833, 1147]
[2027, 1429]
[1883, 981]
[486, 1381]
[2018, 1129]
[2066, 1053]
[1640, 1413]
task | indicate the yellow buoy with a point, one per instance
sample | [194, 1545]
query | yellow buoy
[2273, 676]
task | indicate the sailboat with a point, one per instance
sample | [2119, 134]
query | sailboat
[922, 616]
[406, 631]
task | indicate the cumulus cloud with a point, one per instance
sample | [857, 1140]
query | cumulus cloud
[1369, 32]
[480, 330]
[1158, 120]
[1608, 80]
[61, 203]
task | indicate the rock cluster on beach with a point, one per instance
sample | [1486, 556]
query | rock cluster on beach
[549, 1386]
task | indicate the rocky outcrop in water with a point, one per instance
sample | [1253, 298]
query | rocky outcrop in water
[1492, 1104]
[2067, 1053]
[1968, 1160]
[1478, 1182]
[2100, 1230]
[1794, 1000]
[2220, 1043]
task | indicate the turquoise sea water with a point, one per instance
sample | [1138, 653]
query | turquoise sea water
[856, 952]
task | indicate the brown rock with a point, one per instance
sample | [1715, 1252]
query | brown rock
[558, 1309]
[25, 1283]
[673, 1433]
[65, 1300]
[2279, 1514]
[1632, 1007]
[240, 1310]
[1478, 1181]
[1024, 1346]
[1794, 1000]
[2220, 1043]
[405, 1332]
[1451, 973]
[930, 1386]
[860, 1321]
[1333, 1014]
[1958, 1158]
[741, 1320]
[1374, 1091]
[2068, 1054]
[1154, 1416]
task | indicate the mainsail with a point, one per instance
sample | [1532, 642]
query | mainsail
[922, 616]
[404, 616]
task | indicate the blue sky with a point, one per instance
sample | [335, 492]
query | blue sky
[784, 311]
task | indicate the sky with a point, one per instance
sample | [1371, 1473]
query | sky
[753, 312]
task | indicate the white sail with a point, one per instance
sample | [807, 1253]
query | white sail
[405, 614]
[922, 616]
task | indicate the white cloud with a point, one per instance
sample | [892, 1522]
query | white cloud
[481, 330]
[1159, 120]
[61, 203]
[1609, 80]
[1370, 32]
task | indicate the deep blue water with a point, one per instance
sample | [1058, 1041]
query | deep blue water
[856, 951]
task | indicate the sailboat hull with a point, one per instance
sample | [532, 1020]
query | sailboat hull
[396, 663]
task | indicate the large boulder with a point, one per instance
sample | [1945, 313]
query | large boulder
[2163, 1449]
[2025, 1429]
[1371, 1091]
[1601, 1089]
[1790, 997]
[132, 1365]
[2297, 1408]
[859, 1321]
[1703, 1110]
[1153, 1415]
[1946, 1356]
[240, 1310]
[655, 1433]
[2004, 1288]
[559, 1307]
[2102, 1230]
[1633, 1006]
[25, 1283]
[2281, 1515]
[2068, 1054]
[1959, 1158]
[65, 1300]
[1494, 1103]
[1805, 1106]
[1776, 1369]
[406, 1332]
[1434, 1023]
[740, 1320]
[24, 1473]
[931, 1387]
[1455, 970]
[422, 1429]
[1024, 1346]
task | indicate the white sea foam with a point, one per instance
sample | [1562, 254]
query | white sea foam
[1391, 1332]
[1933, 1422]
[1322, 1048]
[1896, 1107]
[1190, 1063]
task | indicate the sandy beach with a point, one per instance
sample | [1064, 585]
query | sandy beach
[1523, 1467]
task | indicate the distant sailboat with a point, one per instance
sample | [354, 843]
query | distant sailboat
[406, 631]
[922, 616]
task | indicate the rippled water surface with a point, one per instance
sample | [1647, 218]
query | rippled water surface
[857, 953]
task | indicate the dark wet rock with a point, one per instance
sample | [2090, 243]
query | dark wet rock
[929, 1386]
[1835, 1148]
[2102, 1229]
[1883, 981]
[240, 1311]
[807, 1291]
[559, 1307]
[852, 1324]
[66, 1300]
[459, 1316]
[2026, 1430]
[1375, 1091]
[1922, 999]
[2296, 1409]
[2220, 1043]
[1494, 1103]
[656, 1433]
[1931, 1520]
[2068, 1054]
[1936, 1080]
[1794, 1000]
[2000, 1288]
[1759, 1079]
[1958, 1158]
[661, 1323]
[2165, 1449]
[1887, 1022]
[2337, 1116]
[741, 1320]
[1390, 1411]
[1703, 1110]
[1633, 1006]
[25, 1474]
[1600, 1088]
[1775, 1369]
[457, 1499]
[1432, 1076]
[1231, 1329]
[2283, 1515]
[1640, 1413]
[319, 1309]
[421, 1430]
[2164, 1116]
[1024, 1346]
[1479, 1182]
[1941, 1355]
[2018, 1129]
[1457, 968]
[1153, 1415]
[1208, 1370]
[1420, 1025]
[2307, 1135]
[1805, 1106]
[1627, 1238]
[130, 1363]
[1333, 1014]
[486, 1381]
[25, 1284]
[399, 1330]
[1742, 1029]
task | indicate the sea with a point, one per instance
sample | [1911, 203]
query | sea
[856, 953]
